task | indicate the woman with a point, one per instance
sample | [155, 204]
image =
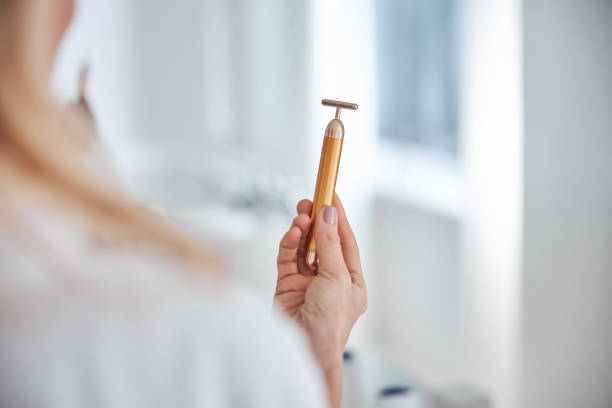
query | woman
[106, 304]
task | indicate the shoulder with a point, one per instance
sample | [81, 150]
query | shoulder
[141, 330]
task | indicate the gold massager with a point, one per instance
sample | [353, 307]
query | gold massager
[328, 173]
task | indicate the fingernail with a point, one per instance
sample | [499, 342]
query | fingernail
[330, 215]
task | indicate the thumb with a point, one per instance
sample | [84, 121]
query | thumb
[327, 240]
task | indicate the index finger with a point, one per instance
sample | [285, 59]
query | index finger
[304, 207]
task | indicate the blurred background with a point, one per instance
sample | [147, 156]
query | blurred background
[476, 172]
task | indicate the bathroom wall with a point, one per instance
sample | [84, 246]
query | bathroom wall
[567, 278]
[102, 34]
[415, 291]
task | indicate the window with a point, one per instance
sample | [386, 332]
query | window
[417, 50]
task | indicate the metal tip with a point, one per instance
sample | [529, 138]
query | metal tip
[339, 104]
[311, 260]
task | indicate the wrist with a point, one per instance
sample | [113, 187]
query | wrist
[328, 352]
[330, 363]
[333, 378]
[328, 348]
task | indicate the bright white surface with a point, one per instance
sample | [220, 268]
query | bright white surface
[422, 177]
[492, 237]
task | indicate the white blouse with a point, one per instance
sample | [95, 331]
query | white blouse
[82, 326]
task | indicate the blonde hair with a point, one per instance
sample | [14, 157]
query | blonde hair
[38, 137]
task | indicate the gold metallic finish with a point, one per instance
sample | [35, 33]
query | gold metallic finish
[334, 130]
[311, 258]
[328, 172]
[338, 104]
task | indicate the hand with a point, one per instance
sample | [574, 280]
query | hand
[327, 304]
